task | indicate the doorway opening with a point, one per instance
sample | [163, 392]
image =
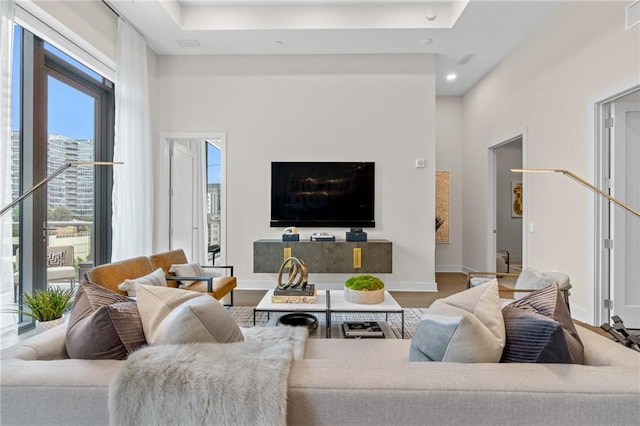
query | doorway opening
[197, 197]
[506, 251]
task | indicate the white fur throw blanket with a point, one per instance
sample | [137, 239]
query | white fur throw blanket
[208, 383]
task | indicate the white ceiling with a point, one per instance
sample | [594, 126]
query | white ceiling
[469, 38]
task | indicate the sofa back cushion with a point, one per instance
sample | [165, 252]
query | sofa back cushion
[465, 327]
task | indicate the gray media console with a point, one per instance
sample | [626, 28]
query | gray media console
[373, 256]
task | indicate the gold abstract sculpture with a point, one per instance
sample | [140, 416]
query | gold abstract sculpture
[298, 275]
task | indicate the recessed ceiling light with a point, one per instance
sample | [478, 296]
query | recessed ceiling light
[451, 76]
[426, 41]
[431, 15]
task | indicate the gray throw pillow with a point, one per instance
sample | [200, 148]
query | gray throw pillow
[539, 329]
[103, 325]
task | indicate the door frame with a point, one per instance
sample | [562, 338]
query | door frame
[161, 218]
[602, 257]
[492, 196]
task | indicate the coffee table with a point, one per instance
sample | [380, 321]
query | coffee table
[337, 303]
[321, 306]
[330, 302]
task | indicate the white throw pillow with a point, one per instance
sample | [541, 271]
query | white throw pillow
[156, 278]
[174, 316]
[465, 327]
[192, 269]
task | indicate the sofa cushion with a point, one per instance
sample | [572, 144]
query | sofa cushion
[539, 329]
[464, 327]
[156, 278]
[103, 325]
[172, 316]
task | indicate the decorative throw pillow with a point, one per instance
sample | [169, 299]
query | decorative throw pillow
[192, 269]
[464, 327]
[172, 316]
[539, 329]
[56, 258]
[156, 278]
[103, 325]
[188, 270]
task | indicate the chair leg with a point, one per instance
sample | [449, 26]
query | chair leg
[230, 298]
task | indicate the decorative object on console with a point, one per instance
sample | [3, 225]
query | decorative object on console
[465, 327]
[291, 234]
[356, 234]
[322, 236]
[364, 289]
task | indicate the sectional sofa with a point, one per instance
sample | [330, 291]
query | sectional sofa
[349, 382]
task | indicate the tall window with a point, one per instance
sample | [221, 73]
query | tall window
[63, 112]
[214, 217]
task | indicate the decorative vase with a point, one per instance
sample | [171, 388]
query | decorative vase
[364, 297]
[46, 325]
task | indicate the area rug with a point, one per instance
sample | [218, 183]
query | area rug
[243, 316]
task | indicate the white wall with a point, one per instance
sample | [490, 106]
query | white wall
[548, 86]
[449, 158]
[314, 108]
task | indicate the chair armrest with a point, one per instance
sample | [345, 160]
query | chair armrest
[208, 279]
[496, 274]
[229, 267]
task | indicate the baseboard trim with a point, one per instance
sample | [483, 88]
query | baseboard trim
[449, 268]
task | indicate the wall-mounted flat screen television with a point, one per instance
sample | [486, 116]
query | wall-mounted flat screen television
[323, 194]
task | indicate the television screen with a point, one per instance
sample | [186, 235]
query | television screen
[323, 194]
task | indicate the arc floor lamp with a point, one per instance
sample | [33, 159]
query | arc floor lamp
[584, 183]
[620, 333]
[58, 171]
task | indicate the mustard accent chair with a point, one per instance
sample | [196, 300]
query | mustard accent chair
[110, 275]
[217, 287]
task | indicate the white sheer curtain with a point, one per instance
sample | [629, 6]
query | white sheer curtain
[133, 181]
[9, 330]
[200, 246]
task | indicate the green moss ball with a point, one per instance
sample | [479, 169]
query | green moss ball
[364, 283]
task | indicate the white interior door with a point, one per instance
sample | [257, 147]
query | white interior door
[181, 217]
[625, 227]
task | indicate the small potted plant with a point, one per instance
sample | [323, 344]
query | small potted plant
[48, 306]
[364, 289]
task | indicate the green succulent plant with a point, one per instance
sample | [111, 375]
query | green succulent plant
[364, 283]
[49, 304]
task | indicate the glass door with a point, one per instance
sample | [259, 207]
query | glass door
[70, 196]
[63, 112]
